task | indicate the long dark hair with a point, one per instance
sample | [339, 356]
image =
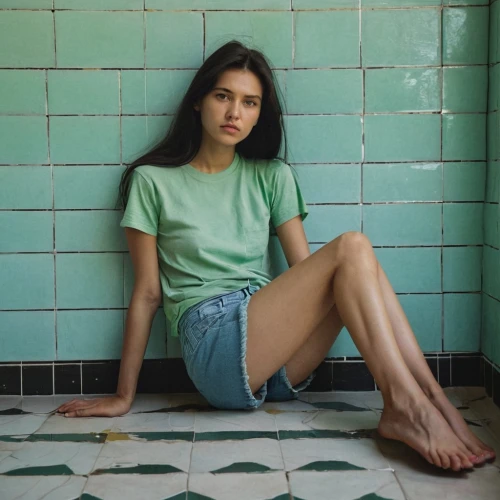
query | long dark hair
[183, 139]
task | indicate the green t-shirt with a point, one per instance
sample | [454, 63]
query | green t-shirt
[212, 229]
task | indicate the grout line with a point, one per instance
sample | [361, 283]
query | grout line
[120, 109]
[441, 100]
[362, 118]
[204, 20]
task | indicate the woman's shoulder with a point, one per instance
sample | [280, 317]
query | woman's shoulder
[268, 165]
[152, 172]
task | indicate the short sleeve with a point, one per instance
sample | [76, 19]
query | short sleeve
[287, 200]
[143, 209]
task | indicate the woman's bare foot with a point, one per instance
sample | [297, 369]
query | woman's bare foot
[422, 427]
[461, 429]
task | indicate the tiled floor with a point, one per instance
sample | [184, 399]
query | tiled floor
[323, 446]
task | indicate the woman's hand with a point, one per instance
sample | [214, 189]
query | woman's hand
[103, 407]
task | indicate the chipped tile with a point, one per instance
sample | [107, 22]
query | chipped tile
[330, 454]
[240, 486]
[253, 455]
[347, 485]
[50, 458]
[129, 457]
[53, 487]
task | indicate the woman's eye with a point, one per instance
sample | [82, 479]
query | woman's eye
[224, 95]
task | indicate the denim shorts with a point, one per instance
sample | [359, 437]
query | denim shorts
[213, 338]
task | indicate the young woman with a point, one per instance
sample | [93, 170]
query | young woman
[201, 206]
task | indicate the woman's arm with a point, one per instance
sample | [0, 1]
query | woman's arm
[146, 298]
[138, 328]
[140, 317]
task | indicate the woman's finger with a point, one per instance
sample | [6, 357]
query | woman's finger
[66, 403]
[81, 412]
[78, 404]
[95, 409]
[67, 406]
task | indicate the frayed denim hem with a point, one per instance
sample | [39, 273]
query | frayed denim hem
[253, 402]
[299, 387]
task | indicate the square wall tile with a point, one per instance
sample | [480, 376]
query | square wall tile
[467, 2]
[23, 92]
[492, 182]
[25, 187]
[326, 222]
[83, 92]
[99, 39]
[26, 4]
[462, 321]
[464, 181]
[99, 4]
[494, 88]
[27, 281]
[87, 186]
[490, 340]
[462, 268]
[402, 138]
[388, 224]
[464, 136]
[463, 223]
[417, 32]
[89, 231]
[26, 231]
[424, 313]
[27, 39]
[494, 30]
[89, 335]
[399, 3]
[324, 139]
[89, 280]
[465, 89]
[154, 91]
[27, 336]
[491, 225]
[270, 32]
[402, 182]
[493, 144]
[67, 378]
[323, 4]
[412, 270]
[142, 133]
[391, 90]
[182, 30]
[16, 131]
[219, 4]
[38, 380]
[491, 280]
[347, 96]
[465, 35]
[85, 139]
[327, 39]
[329, 183]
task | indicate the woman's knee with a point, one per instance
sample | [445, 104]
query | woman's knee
[355, 245]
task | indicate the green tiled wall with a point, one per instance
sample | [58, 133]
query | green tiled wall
[490, 340]
[387, 107]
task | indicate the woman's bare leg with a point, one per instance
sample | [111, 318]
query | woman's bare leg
[283, 314]
[419, 368]
[313, 351]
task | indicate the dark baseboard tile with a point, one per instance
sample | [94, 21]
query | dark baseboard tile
[170, 375]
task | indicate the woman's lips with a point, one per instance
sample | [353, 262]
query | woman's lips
[231, 130]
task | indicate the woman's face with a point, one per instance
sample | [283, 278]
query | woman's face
[236, 99]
